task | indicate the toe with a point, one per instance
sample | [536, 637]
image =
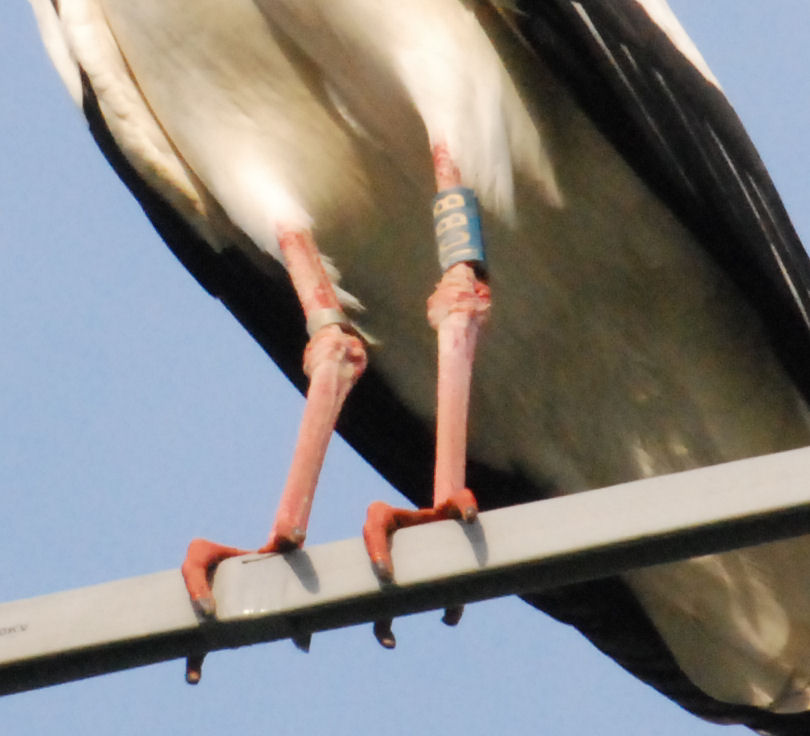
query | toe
[383, 633]
[375, 534]
[194, 664]
[452, 615]
[302, 642]
[201, 558]
[204, 607]
[284, 538]
[464, 501]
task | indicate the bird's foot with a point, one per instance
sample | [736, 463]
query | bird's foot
[383, 520]
[383, 633]
[202, 558]
[198, 568]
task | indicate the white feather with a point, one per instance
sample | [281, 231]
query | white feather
[432, 55]
[737, 623]
[53, 36]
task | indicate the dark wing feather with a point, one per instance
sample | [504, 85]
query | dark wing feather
[682, 136]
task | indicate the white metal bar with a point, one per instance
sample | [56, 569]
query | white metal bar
[127, 623]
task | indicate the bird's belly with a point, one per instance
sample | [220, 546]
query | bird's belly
[244, 112]
[285, 121]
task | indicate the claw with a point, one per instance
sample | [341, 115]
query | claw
[205, 608]
[384, 571]
[452, 615]
[194, 664]
[383, 633]
[281, 541]
[302, 642]
[462, 505]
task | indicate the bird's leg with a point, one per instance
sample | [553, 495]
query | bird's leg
[334, 359]
[457, 309]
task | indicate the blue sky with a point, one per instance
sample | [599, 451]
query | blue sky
[135, 413]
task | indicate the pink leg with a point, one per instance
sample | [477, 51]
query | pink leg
[334, 360]
[457, 309]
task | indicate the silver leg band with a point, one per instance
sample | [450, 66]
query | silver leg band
[323, 317]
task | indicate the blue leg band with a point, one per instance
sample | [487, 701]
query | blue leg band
[458, 227]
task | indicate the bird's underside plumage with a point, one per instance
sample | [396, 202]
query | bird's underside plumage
[650, 296]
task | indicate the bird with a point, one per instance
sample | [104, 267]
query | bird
[649, 296]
